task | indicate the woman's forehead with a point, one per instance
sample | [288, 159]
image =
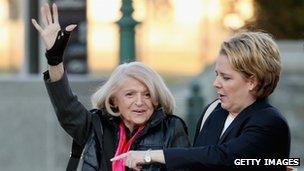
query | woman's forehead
[131, 83]
[222, 62]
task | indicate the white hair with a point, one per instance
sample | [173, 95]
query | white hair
[160, 94]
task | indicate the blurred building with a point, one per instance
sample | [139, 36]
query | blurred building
[184, 35]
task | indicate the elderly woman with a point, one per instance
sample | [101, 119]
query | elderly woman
[241, 124]
[134, 107]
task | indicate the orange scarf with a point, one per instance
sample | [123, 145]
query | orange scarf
[124, 146]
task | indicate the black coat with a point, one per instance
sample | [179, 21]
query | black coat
[162, 131]
[258, 132]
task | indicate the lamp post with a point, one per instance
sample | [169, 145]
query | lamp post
[127, 33]
[195, 102]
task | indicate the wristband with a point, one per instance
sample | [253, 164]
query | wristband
[54, 55]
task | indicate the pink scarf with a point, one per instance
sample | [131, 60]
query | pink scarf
[124, 146]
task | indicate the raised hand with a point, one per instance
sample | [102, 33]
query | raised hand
[55, 39]
[50, 25]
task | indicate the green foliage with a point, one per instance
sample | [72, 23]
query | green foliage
[282, 18]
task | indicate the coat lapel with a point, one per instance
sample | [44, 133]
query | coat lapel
[212, 128]
[238, 120]
[251, 109]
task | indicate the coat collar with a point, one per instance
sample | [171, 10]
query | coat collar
[157, 116]
[249, 110]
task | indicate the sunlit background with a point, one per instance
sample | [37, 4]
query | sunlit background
[11, 39]
[184, 35]
[178, 38]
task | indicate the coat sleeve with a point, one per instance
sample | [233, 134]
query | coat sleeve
[259, 139]
[74, 118]
[179, 133]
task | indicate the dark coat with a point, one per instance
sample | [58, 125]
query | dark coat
[258, 132]
[162, 131]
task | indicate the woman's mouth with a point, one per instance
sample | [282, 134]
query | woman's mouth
[221, 96]
[139, 111]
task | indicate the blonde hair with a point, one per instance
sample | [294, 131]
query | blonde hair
[255, 54]
[160, 94]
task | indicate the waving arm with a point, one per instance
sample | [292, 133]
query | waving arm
[54, 38]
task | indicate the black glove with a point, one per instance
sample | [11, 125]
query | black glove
[54, 55]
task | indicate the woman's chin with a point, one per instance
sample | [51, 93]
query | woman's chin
[224, 105]
[139, 122]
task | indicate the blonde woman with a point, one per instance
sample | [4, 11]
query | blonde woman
[134, 107]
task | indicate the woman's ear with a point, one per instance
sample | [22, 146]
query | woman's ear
[115, 109]
[113, 102]
[114, 105]
[252, 82]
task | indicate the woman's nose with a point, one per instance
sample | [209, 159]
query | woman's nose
[216, 83]
[138, 100]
